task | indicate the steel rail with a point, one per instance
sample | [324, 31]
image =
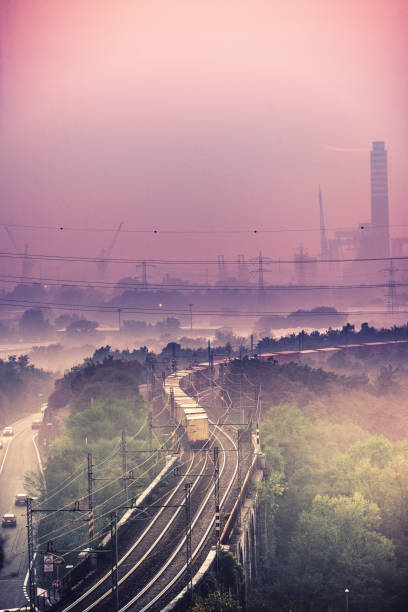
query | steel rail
[154, 544]
[129, 551]
[182, 542]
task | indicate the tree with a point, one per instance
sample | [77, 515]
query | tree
[33, 325]
[386, 382]
[336, 544]
[216, 602]
[83, 327]
[64, 320]
[169, 324]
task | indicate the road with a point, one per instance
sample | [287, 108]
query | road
[17, 456]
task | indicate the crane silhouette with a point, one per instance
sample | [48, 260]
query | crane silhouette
[102, 264]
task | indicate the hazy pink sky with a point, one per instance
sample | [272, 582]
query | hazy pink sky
[198, 114]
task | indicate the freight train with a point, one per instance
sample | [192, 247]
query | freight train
[185, 409]
[190, 415]
[283, 357]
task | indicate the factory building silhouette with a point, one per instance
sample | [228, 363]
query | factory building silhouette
[375, 236]
[379, 230]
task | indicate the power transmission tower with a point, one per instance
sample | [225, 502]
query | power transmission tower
[323, 239]
[191, 315]
[391, 294]
[221, 269]
[260, 272]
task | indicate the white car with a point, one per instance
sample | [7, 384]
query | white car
[20, 499]
[8, 431]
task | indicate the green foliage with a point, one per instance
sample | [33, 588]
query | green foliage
[337, 499]
[21, 385]
[33, 325]
[334, 545]
[216, 602]
[104, 400]
[106, 419]
[95, 381]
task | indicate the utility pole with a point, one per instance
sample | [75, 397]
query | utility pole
[260, 272]
[217, 497]
[114, 561]
[90, 500]
[191, 315]
[241, 402]
[323, 239]
[30, 544]
[124, 462]
[252, 345]
[187, 501]
[259, 405]
[239, 472]
[391, 295]
[119, 311]
[144, 274]
[172, 403]
[150, 424]
[32, 587]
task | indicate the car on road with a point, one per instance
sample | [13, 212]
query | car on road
[1, 444]
[9, 520]
[36, 424]
[8, 431]
[20, 499]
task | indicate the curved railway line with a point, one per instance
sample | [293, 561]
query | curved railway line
[153, 568]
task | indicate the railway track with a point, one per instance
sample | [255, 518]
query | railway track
[154, 564]
[171, 577]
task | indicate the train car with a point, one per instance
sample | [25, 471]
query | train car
[284, 357]
[185, 409]
[197, 428]
[181, 407]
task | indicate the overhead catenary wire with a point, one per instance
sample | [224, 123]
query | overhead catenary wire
[76, 528]
[72, 477]
[118, 479]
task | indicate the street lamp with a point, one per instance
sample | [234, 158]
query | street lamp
[347, 591]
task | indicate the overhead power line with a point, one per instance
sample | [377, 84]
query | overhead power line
[139, 286]
[188, 262]
[157, 230]
[183, 311]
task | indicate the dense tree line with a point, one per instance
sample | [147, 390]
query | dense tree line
[92, 404]
[337, 492]
[333, 337]
[22, 387]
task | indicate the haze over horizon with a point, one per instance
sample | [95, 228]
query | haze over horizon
[198, 115]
